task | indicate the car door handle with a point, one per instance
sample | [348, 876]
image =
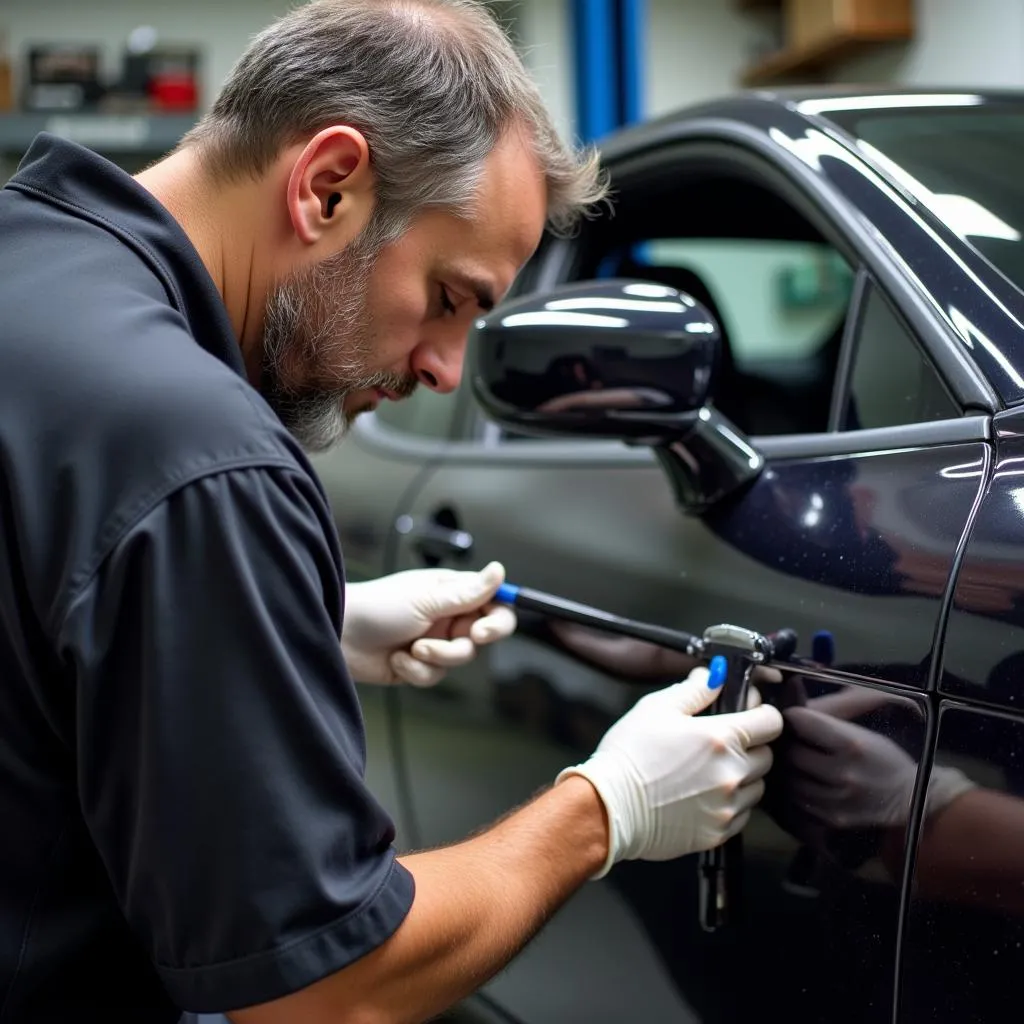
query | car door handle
[436, 541]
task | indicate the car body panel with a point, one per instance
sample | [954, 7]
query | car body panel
[493, 734]
[965, 926]
[983, 659]
[857, 534]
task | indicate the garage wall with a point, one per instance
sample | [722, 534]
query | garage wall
[695, 49]
[224, 28]
[958, 42]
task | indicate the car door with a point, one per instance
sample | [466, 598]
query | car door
[965, 926]
[367, 479]
[848, 537]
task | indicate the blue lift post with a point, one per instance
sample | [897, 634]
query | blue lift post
[608, 38]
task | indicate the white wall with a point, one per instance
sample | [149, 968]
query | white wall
[957, 43]
[696, 50]
[546, 40]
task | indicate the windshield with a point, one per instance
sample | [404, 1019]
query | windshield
[965, 164]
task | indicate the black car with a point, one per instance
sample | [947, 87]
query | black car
[806, 317]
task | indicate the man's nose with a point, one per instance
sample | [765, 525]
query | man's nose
[437, 364]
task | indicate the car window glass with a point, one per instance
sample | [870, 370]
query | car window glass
[782, 300]
[892, 382]
[781, 304]
[425, 414]
[965, 165]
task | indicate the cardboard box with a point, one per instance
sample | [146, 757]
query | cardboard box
[810, 23]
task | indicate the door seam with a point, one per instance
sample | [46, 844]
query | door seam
[932, 702]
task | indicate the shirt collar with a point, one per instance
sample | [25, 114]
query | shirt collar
[86, 185]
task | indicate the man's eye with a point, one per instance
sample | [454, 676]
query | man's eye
[446, 303]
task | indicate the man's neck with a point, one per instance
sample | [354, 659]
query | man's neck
[219, 222]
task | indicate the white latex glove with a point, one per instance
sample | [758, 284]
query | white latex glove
[673, 784]
[847, 777]
[414, 626]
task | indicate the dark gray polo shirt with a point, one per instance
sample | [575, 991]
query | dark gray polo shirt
[183, 816]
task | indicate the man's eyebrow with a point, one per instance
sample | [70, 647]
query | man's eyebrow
[479, 287]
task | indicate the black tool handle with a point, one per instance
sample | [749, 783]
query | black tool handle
[571, 611]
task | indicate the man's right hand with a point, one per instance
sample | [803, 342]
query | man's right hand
[674, 784]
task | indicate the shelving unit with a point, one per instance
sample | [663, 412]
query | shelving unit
[109, 134]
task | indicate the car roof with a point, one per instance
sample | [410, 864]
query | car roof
[986, 304]
[740, 106]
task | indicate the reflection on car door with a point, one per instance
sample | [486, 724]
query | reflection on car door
[846, 537]
[367, 479]
[965, 928]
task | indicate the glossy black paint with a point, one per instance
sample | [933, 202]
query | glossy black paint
[628, 360]
[809, 893]
[973, 313]
[880, 525]
[860, 544]
[965, 928]
[984, 650]
[600, 359]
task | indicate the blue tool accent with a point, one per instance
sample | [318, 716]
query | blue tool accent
[823, 647]
[718, 669]
[507, 593]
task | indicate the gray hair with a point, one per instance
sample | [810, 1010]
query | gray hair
[431, 84]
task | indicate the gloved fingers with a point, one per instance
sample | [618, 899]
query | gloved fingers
[461, 625]
[444, 653]
[413, 671]
[754, 698]
[497, 622]
[736, 826]
[690, 697]
[464, 592]
[759, 762]
[758, 726]
[748, 797]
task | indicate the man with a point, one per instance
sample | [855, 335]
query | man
[181, 749]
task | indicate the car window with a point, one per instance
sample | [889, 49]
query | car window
[781, 305]
[425, 414]
[891, 382]
[964, 164]
[782, 302]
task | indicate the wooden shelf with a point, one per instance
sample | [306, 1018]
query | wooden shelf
[788, 65]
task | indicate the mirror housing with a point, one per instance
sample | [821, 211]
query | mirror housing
[619, 359]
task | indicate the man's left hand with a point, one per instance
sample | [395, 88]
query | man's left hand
[414, 626]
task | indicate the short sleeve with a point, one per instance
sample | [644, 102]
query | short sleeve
[221, 751]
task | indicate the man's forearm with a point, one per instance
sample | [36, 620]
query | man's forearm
[477, 904]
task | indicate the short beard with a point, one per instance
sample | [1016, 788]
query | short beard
[318, 345]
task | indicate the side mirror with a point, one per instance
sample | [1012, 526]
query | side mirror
[628, 360]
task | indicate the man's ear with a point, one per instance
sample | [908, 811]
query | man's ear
[331, 187]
